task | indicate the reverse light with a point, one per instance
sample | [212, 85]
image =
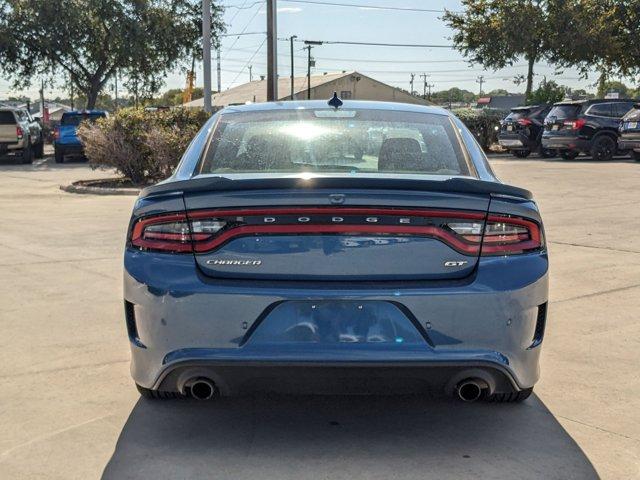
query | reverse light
[173, 232]
[504, 235]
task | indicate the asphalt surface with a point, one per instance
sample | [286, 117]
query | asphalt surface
[68, 409]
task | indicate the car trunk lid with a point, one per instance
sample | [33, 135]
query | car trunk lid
[337, 234]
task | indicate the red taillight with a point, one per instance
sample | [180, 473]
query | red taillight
[505, 235]
[19, 132]
[525, 122]
[466, 232]
[56, 133]
[575, 124]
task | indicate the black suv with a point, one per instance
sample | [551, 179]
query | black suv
[630, 132]
[521, 131]
[589, 126]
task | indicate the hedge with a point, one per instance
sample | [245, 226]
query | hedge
[482, 123]
[144, 146]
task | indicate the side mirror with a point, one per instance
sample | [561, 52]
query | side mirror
[636, 106]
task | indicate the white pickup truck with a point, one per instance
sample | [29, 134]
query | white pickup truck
[20, 133]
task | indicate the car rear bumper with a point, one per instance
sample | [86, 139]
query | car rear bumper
[70, 148]
[629, 143]
[516, 141]
[182, 324]
[565, 142]
[11, 146]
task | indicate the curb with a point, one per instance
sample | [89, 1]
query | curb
[77, 187]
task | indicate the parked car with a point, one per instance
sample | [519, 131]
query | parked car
[20, 133]
[66, 141]
[258, 266]
[588, 126]
[521, 131]
[630, 132]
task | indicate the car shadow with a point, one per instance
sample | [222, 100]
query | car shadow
[344, 437]
[14, 163]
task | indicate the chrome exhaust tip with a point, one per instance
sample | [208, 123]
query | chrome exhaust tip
[469, 390]
[202, 389]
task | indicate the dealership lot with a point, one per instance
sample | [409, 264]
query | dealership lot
[68, 408]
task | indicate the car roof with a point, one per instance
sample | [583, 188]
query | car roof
[593, 100]
[322, 104]
[85, 112]
[529, 107]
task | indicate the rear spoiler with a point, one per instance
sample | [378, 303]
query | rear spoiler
[452, 185]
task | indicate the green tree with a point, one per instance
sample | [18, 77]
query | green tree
[613, 86]
[497, 91]
[548, 91]
[454, 94]
[497, 33]
[88, 41]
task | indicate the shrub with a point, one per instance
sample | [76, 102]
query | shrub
[141, 145]
[482, 123]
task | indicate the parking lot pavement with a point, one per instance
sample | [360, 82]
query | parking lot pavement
[68, 408]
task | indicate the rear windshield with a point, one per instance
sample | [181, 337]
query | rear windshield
[633, 115]
[517, 114]
[564, 111]
[7, 118]
[76, 118]
[355, 141]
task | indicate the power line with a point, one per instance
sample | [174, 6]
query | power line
[249, 61]
[365, 7]
[376, 44]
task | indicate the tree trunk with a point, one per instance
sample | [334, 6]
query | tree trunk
[602, 83]
[531, 59]
[92, 94]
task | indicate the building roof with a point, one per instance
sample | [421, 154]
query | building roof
[256, 91]
[502, 102]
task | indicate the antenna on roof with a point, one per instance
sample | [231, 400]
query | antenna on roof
[335, 102]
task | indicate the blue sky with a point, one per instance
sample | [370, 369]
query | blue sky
[392, 65]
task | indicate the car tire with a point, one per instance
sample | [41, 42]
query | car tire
[157, 394]
[39, 150]
[59, 155]
[635, 155]
[515, 397]
[569, 154]
[27, 154]
[603, 148]
[548, 153]
[521, 153]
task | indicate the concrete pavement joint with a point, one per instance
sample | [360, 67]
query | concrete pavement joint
[595, 294]
[595, 427]
[47, 262]
[593, 246]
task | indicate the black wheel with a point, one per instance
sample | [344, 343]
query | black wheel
[547, 153]
[635, 155]
[59, 155]
[568, 154]
[603, 148]
[521, 153]
[515, 397]
[27, 154]
[157, 394]
[39, 150]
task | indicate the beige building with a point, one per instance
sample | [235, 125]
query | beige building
[348, 85]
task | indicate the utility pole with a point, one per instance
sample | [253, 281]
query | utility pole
[272, 52]
[424, 84]
[411, 83]
[429, 85]
[219, 68]
[291, 39]
[115, 90]
[480, 80]
[310, 63]
[250, 74]
[206, 53]
[42, 100]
